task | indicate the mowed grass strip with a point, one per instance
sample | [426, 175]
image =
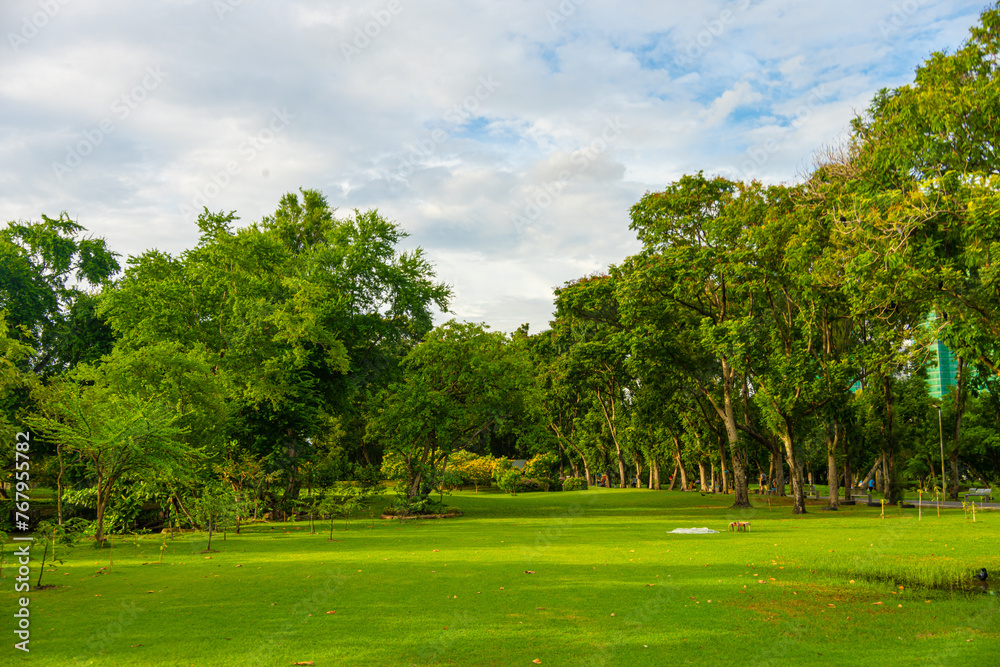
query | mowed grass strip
[590, 577]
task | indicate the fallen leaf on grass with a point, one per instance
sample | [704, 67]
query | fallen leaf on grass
[308, 662]
[537, 661]
[135, 645]
[331, 612]
[529, 571]
[876, 603]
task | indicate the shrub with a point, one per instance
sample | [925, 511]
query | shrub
[529, 484]
[542, 466]
[476, 469]
[574, 484]
[506, 476]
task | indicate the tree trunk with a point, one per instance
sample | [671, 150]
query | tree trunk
[795, 471]
[59, 486]
[833, 440]
[654, 478]
[726, 487]
[701, 477]
[679, 464]
[848, 473]
[621, 465]
[891, 489]
[99, 520]
[673, 479]
[177, 501]
[960, 393]
[741, 488]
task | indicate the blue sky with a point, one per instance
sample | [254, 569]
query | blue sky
[509, 138]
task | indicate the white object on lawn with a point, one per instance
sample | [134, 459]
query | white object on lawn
[693, 531]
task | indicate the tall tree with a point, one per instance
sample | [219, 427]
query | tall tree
[298, 314]
[118, 434]
[46, 270]
[687, 288]
[460, 382]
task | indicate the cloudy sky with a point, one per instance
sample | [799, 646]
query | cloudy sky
[508, 137]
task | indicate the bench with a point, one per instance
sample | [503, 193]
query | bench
[979, 493]
[855, 493]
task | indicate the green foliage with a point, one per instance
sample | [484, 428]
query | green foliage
[574, 484]
[506, 476]
[474, 468]
[40, 264]
[530, 484]
[543, 466]
[118, 435]
[459, 383]
[298, 318]
[216, 506]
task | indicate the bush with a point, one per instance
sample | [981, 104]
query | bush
[529, 484]
[574, 484]
[542, 466]
[507, 480]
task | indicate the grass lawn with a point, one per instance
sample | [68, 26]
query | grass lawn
[607, 586]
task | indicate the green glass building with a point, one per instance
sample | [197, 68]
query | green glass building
[941, 378]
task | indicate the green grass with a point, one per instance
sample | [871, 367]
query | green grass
[610, 587]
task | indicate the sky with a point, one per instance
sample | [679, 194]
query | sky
[509, 138]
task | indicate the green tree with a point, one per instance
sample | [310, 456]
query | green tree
[46, 269]
[687, 288]
[595, 361]
[215, 506]
[460, 382]
[118, 435]
[300, 316]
